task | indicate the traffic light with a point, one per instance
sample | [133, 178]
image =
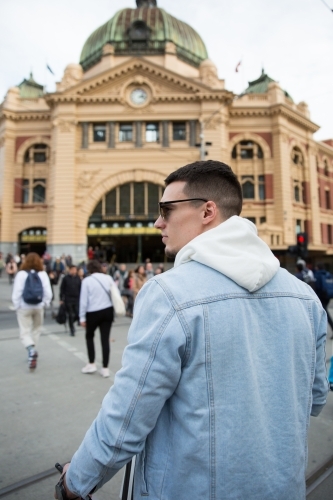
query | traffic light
[302, 244]
[301, 247]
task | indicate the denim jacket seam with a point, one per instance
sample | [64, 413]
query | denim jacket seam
[181, 320]
[211, 400]
[246, 296]
[145, 371]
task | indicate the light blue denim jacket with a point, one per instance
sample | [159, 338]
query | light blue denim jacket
[215, 392]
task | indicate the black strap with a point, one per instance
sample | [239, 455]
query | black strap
[108, 293]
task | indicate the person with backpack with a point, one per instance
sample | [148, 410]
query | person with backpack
[324, 290]
[31, 293]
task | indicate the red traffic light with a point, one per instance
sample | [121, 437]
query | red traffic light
[300, 238]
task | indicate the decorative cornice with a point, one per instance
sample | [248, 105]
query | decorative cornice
[277, 109]
[94, 83]
[25, 115]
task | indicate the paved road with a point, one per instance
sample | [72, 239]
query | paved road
[44, 415]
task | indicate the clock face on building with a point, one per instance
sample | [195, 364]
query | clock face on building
[139, 96]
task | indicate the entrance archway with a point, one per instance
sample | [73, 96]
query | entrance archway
[33, 239]
[121, 227]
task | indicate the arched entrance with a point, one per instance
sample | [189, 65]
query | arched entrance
[33, 239]
[121, 227]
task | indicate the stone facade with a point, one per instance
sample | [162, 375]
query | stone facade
[69, 159]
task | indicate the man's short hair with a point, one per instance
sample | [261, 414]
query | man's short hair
[72, 266]
[94, 266]
[212, 180]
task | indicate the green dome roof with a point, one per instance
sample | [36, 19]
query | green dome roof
[144, 31]
[260, 86]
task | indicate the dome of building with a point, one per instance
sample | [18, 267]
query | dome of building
[260, 86]
[144, 31]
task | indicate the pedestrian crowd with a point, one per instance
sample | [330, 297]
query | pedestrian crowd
[84, 297]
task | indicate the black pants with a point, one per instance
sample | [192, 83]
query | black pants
[72, 310]
[325, 303]
[102, 319]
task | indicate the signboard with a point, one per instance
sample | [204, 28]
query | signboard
[122, 231]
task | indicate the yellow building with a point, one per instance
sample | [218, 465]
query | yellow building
[85, 165]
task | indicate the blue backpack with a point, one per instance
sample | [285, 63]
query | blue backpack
[33, 289]
[326, 285]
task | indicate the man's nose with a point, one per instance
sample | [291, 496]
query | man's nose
[159, 223]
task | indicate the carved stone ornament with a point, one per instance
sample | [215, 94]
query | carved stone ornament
[72, 75]
[64, 126]
[86, 177]
[208, 74]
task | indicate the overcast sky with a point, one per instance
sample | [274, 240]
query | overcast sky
[291, 39]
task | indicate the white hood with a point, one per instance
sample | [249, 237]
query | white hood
[234, 249]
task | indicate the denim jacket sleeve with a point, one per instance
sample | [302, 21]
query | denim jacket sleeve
[151, 369]
[320, 383]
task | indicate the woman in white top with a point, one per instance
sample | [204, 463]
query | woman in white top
[96, 310]
[30, 315]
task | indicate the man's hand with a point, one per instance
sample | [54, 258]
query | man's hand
[83, 323]
[68, 492]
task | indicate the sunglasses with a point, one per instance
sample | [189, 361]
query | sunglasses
[165, 210]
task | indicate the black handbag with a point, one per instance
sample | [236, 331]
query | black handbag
[61, 316]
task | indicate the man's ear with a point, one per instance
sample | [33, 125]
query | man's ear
[211, 213]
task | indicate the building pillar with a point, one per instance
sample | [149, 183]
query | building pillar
[85, 135]
[8, 239]
[111, 138]
[64, 233]
[165, 133]
[283, 207]
[138, 134]
[193, 132]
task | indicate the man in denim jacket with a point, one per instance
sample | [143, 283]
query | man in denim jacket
[224, 365]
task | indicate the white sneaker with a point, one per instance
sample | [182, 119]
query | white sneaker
[105, 372]
[89, 368]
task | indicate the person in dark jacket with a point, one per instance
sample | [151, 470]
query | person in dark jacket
[319, 274]
[70, 296]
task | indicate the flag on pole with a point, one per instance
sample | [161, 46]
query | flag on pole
[50, 70]
[237, 67]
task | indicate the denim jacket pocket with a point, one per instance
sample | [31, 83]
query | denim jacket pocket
[144, 485]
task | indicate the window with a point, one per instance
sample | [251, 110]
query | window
[38, 153]
[152, 132]
[38, 191]
[252, 219]
[25, 191]
[99, 132]
[247, 150]
[262, 220]
[326, 168]
[248, 186]
[296, 156]
[298, 228]
[179, 131]
[33, 192]
[297, 193]
[125, 132]
[135, 200]
[329, 234]
[328, 199]
[261, 186]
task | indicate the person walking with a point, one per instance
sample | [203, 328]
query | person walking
[30, 315]
[70, 296]
[322, 277]
[140, 279]
[96, 311]
[2, 264]
[225, 362]
[11, 269]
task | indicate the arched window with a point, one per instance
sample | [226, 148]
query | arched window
[247, 150]
[133, 200]
[38, 153]
[297, 156]
[248, 187]
[297, 193]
